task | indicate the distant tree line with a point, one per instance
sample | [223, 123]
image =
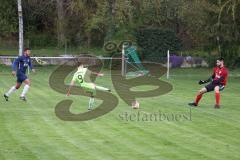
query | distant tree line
[206, 24]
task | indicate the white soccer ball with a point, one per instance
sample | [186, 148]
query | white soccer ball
[135, 105]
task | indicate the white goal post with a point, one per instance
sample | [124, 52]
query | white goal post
[168, 63]
[124, 63]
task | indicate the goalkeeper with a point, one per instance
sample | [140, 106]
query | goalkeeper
[218, 81]
[87, 87]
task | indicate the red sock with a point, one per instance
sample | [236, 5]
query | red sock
[217, 98]
[198, 98]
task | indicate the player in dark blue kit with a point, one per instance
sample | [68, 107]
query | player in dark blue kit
[19, 68]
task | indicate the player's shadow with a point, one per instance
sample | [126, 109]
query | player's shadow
[62, 109]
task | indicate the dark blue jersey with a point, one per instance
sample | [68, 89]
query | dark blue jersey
[21, 63]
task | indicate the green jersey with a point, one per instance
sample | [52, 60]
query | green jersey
[79, 75]
[89, 87]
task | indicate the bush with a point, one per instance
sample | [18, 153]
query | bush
[230, 53]
[155, 42]
[41, 40]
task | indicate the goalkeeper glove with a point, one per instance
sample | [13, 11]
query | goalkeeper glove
[205, 81]
[202, 82]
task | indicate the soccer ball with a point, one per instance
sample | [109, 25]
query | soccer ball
[135, 105]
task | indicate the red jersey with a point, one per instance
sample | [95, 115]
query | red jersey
[220, 73]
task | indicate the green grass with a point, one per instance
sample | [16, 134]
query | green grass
[31, 130]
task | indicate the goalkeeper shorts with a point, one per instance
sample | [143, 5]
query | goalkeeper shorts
[210, 87]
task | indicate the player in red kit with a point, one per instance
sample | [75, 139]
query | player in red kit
[218, 82]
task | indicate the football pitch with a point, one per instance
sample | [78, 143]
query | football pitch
[31, 130]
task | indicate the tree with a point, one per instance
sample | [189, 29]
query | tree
[228, 28]
[60, 23]
[8, 19]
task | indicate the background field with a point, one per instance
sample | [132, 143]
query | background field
[32, 131]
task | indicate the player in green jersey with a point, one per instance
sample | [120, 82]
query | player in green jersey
[87, 86]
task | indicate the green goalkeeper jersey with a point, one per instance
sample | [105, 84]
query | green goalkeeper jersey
[79, 75]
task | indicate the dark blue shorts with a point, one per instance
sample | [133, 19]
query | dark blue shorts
[21, 77]
[210, 87]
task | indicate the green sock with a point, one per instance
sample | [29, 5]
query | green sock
[91, 102]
